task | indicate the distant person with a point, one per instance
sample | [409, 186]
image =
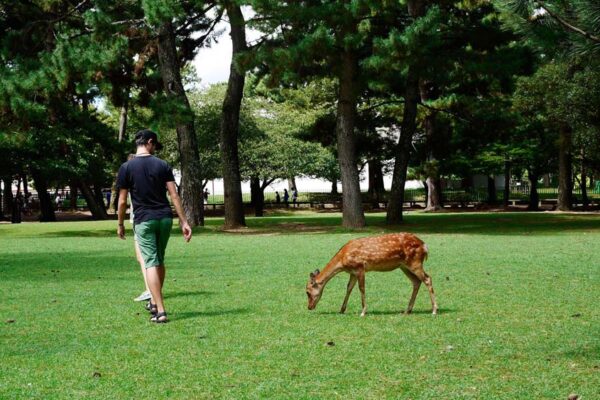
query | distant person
[286, 197]
[205, 195]
[57, 201]
[149, 178]
[277, 198]
[294, 197]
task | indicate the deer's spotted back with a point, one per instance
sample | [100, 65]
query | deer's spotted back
[384, 253]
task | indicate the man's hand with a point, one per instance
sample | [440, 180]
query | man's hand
[121, 232]
[187, 231]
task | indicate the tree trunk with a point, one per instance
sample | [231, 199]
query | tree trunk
[546, 180]
[191, 176]
[120, 138]
[352, 210]
[376, 187]
[334, 189]
[534, 198]
[491, 189]
[123, 118]
[506, 196]
[234, 206]
[258, 196]
[565, 184]
[427, 92]
[46, 206]
[7, 198]
[25, 186]
[584, 196]
[73, 187]
[434, 202]
[16, 209]
[292, 183]
[409, 126]
[416, 8]
[97, 210]
[1, 203]
[100, 199]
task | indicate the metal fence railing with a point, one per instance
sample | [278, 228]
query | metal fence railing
[461, 196]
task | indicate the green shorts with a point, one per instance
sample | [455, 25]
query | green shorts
[152, 237]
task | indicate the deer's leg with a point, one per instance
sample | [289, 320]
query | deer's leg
[351, 284]
[360, 276]
[426, 279]
[416, 282]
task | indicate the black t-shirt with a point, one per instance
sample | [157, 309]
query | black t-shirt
[146, 179]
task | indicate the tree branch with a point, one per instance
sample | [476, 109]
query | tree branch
[210, 30]
[128, 21]
[267, 182]
[567, 25]
[383, 103]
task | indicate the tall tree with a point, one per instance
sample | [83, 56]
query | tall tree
[234, 207]
[563, 32]
[416, 10]
[49, 69]
[170, 67]
[328, 39]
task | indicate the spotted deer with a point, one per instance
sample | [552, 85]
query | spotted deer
[379, 253]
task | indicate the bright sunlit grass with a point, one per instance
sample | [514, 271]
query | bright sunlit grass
[518, 297]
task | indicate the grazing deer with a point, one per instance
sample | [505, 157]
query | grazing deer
[379, 253]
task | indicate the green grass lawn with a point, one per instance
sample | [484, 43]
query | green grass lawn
[518, 297]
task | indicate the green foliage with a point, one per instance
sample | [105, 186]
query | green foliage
[560, 95]
[269, 143]
[159, 11]
[555, 27]
[48, 74]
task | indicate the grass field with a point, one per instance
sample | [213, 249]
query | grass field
[518, 297]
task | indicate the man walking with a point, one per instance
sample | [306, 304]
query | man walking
[149, 178]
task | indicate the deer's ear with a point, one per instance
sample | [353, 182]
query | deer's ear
[314, 274]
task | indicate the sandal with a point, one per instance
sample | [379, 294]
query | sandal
[151, 307]
[157, 318]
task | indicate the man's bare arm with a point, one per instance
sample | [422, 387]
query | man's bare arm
[185, 227]
[121, 212]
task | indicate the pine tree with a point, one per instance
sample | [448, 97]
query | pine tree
[229, 130]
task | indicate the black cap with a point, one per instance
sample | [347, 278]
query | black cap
[146, 135]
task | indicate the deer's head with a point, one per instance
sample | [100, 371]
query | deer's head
[313, 290]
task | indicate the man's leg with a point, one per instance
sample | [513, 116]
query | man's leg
[156, 275]
[140, 259]
[161, 274]
[147, 234]
[164, 232]
[155, 285]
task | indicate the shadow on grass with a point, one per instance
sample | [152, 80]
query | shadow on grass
[95, 233]
[198, 314]
[586, 352]
[414, 312]
[391, 312]
[185, 294]
[490, 223]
